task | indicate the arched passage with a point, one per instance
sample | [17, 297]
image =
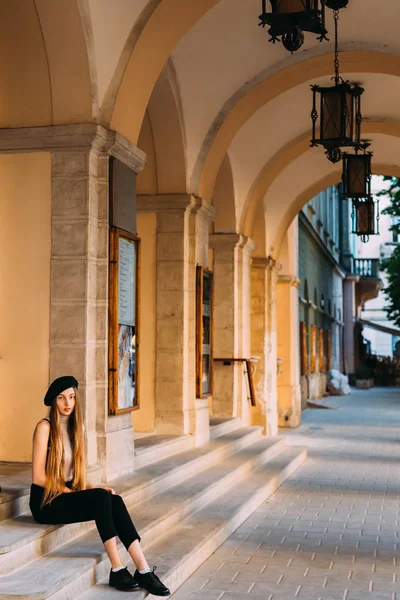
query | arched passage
[243, 105]
[278, 174]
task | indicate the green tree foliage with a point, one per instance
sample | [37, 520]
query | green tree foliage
[392, 264]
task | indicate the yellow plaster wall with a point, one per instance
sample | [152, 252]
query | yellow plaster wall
[143, 419]
[285, 325]
[25, 237]
[43, 64]
[26, 95]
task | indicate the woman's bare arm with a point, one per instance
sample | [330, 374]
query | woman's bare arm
[39, 454]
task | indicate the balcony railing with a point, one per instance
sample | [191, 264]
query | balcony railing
[366, 267]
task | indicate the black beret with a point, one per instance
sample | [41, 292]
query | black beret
[59, 385]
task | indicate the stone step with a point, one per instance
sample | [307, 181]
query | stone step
[221, 425]
[154, 447]
[22, 540]
[15, 489]
[144, 483]
[75, 567]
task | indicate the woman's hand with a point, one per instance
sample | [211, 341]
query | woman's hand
[109, 490]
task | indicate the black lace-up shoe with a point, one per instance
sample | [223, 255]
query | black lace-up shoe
[123, 580]
[151, 583]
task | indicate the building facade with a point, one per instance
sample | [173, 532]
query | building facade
[334, 284]
[381, 334]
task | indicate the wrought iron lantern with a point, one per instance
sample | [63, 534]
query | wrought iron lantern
[339, 114]
[365, 218]
[290, 18]
[339, 118]
[357, 175]
[336, 4]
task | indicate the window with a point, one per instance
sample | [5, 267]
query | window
[396, 234]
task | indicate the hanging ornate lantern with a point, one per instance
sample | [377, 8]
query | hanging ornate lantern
[365, 218]
[339, 115]
[357, 175]
[336, 4]
[339, 118]
[290, 18]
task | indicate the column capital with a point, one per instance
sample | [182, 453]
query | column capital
[291, 280]
[82, 137]
[249, 246]
[350, 278]
[175, 203]
[230, 241]
[268, 264]
[201, 207]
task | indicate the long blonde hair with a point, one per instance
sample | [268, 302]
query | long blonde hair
[55, 482]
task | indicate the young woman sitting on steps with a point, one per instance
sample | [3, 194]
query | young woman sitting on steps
[60, 493]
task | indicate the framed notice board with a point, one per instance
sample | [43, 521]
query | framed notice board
[303, 348]
[313, 348]
[123, 354]
[321, 348]
[204, 331]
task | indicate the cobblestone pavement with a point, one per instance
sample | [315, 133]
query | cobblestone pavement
[332, 530]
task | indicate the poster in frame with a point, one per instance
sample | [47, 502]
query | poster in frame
[124, 290]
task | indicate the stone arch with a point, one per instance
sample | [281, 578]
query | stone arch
[162, 138]
[168, 22]
[45, 61]
[224, 199]
[259, 234]
[264, 88]
[281, 160]
[325, 182]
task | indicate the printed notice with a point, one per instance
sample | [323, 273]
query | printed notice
[126, 282]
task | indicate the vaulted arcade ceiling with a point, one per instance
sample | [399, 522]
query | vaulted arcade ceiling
[220, 112]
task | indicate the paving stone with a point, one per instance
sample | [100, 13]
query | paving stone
[332, 530]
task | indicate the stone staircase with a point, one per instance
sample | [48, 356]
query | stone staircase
[184, 501]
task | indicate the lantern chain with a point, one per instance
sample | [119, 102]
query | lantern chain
[336, 62]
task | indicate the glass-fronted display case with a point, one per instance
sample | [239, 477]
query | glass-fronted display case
[123, 321]
[204, 332]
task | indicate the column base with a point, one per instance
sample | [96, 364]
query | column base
[193, 422]
[200, 422]
[289, 414]
[117, 453]
[316, 386]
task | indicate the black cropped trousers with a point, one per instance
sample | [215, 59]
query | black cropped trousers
[108, 510]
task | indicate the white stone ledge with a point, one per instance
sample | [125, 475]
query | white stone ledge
[81, 137]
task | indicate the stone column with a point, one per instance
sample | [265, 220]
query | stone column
[182, 243]
[288, 349]
[79, 274]
[349, 316]
[232, 259]
[264, 275]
